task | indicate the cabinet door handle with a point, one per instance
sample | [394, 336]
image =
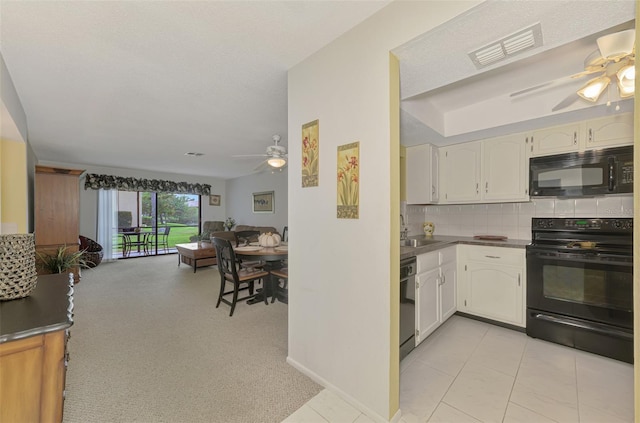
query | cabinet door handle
[518, 279]
[444, 279]
[433, 190]
[575, 137]
[477, 188]
[590, 135]
[493, 257]
[486, 187]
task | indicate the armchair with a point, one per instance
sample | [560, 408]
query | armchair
[208, 228]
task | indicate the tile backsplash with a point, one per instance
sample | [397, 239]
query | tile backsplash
[510, 219]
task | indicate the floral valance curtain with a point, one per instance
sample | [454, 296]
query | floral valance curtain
[120, 183]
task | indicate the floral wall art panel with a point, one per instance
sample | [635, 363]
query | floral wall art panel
[310, 153]
[348, 180]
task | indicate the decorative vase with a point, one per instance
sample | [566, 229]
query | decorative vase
[268, 239]
[18, 276]
[428, 228]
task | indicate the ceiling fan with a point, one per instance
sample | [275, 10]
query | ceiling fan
[614, 61]
[276, 155]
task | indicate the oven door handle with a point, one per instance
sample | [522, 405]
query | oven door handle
[574, 257]
[594, 327]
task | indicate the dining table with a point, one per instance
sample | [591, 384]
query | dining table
[273, 258]
[135, 238]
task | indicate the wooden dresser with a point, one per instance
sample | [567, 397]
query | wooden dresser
[57, 209]
[33, 351]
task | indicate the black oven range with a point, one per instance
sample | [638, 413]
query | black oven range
[580, 284]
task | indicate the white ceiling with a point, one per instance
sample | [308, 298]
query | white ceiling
[137, 84]
[447, 100]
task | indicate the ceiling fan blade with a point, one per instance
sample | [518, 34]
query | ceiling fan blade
[568, 101]
[262, 166]
[245, 156]
[528, 90]
[552, 83]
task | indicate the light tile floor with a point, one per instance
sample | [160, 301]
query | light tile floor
[470, 371]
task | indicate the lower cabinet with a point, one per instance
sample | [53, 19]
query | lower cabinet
[32, 378]
[491, 283]
[435, 290]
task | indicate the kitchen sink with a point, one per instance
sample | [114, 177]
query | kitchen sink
[417, 242]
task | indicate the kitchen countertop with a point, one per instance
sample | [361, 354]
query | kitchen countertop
[447, 241]
[49, 308]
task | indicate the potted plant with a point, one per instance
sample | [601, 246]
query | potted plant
[62, 260]
[229, 223]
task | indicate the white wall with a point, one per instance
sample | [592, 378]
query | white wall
[340, 321]
[89, 197]
[511, 219]
[238, 202]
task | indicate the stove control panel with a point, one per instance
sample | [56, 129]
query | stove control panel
[591, 225]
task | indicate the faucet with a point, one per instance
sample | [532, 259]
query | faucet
[404, 230]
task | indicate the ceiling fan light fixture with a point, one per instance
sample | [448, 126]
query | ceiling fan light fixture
[617, 45]
[626, 80]
[591, 90]
[276, 162]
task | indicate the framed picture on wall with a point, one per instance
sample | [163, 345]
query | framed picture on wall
[214, 200]
[263, 202]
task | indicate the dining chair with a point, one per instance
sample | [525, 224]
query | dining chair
[230, 272]
[279, 275]
[244, 238]
[163, 237]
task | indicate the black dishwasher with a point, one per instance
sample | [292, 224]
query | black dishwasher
[407, 306]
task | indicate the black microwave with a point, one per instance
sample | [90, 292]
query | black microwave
[582, 174]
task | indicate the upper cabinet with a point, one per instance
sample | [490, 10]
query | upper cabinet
[492, 170]
[497, 169]
[422, 174]
[554, 140]
[610, 131]
[460, 172]
[505, 175]
[607, 131]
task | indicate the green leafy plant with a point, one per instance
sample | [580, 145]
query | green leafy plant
[63, 260]
[229, 223]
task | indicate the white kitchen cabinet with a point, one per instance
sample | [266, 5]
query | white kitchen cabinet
[610, 131]
[488, 171]
[435, 290]
[491, 283]
[447, 289]
[460, 172]
[556, 139]
[427, 313]
[505, 170]
[422, 174]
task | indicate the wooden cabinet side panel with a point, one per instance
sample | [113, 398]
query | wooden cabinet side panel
[21, 373]
[53, 374]
[57, 206]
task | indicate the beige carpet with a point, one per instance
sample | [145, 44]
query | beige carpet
[148, 345]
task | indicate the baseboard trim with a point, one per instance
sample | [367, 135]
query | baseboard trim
[348, 398]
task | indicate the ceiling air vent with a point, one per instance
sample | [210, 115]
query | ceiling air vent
[508, 46]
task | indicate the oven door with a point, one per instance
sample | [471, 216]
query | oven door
[581, 285]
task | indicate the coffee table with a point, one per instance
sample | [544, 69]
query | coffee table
[197, 254]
